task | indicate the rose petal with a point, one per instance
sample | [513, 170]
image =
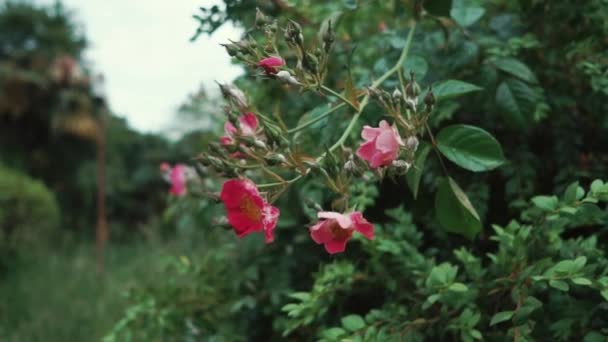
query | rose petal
[343, 220]
[361, 225]
[335, 246]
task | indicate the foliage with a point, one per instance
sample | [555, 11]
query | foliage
[28, 213]
[532, 267]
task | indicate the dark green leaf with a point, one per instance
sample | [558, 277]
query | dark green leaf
[415, 173]
[453, 88]
[454, 210]
[517, 102]
[470, 147]
[516, 68]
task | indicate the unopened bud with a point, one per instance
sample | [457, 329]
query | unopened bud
[286, 77]
[217, 149]
[232, 49]
[216, 163]
[275, 159]
[234, 95]
[259, 143]
[412, 143]
[412, 89]
[328, 36]
[260, 18]
[293, 33]
[397, 94]
[310, 62]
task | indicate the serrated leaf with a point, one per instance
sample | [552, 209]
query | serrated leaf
[453, 88]
[501, 317]
[516, 68]
[454, 210]
[516, 102]
[415, 173]
[353, 322]
[470, 147]
[467, 16]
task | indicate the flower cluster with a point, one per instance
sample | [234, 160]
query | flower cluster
[257, 146]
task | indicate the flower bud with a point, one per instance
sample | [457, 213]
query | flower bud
[260, 18]
[234, 95]
[412, 89]
[217, 149]
[286, 77]
[293, 33]
[310, 62]
[397, 94]
[328, 36]
[216, 163]
[412, 143]
[259, 143]
[232, 49]
[275, 159]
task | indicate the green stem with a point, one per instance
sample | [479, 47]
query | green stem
[318, 118]
[376, 84]
[340, 96]
[360, 108]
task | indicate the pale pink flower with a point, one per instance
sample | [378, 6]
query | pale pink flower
[381, 144]
[335, 229]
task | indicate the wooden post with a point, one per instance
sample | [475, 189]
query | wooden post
[102, 225]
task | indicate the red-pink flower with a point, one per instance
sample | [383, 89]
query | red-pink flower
[271, 64]
[177, 177]
[336, 229]
[248, 123]
[246, 210]
[381, 144]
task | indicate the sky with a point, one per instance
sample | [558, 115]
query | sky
[143, 49]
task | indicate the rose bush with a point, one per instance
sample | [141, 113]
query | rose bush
[398, 130]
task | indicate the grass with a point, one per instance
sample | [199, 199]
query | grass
[56, 295]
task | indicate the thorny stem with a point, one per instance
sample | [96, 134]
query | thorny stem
[360, 108]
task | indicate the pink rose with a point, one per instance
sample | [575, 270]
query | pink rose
[246, 210]
[271, 64]
[336, 229]
[248, 123]
[381, 144]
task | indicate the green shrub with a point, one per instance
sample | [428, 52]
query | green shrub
[28, 210]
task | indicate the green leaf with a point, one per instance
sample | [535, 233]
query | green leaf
[454, 210]
[546, 203]
[470, 147]
[501, 317]
[438, 7]
[467, 16]
[353, 322]
[571, 194]
[517, 102]
[416, 64]
[415, 173]
[559, 284]
[453, 88]
[334, 333]
[582, 281]
[604, 294]
[516, 68]
[458, 287]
